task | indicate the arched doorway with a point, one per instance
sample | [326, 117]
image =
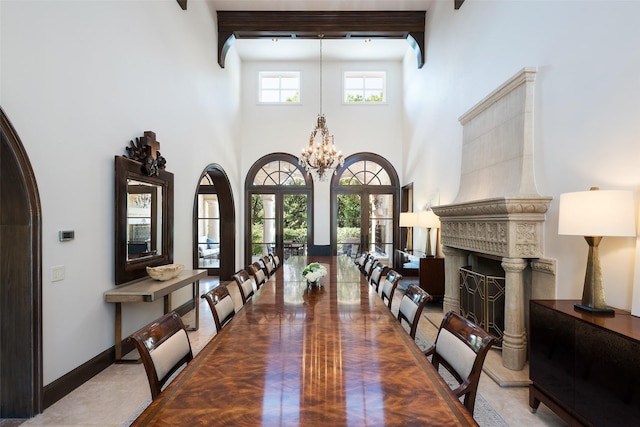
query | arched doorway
[214, 224]
[365, 205]
[279, 200]
[20, 280]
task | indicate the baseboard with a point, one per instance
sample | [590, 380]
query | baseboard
[64, 385]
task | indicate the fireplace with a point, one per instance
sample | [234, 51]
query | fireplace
[498, 212]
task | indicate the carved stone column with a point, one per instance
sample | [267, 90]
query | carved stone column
[514, 345]
[453, 260]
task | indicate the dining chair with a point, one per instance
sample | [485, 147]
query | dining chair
[221, 305]
[368, 266]
[376, 275]
[245, 285]
[411, 306]
[267, 265]
[389, 285]
[360, 259]
[164, 347]
[275, 259]
[461, 347]
[258, 274]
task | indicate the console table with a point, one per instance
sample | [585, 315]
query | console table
[149, 290]
[585, 367]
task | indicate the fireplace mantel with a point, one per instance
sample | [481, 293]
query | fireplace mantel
[511, 227]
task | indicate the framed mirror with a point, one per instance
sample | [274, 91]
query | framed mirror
[143, 219]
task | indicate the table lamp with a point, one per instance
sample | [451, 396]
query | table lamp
[428, 219]
[595, 214]
[409, 220]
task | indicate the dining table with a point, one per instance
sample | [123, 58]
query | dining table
[329, 353]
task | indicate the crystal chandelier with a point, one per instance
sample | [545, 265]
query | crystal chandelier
[320, 156]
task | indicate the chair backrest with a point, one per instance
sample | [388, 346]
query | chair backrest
[411, 306]
[221, 305]
[376, 275]
[389, 285]
[164, 347]
[461, 347]
[267, 265]
[258, 274]
[276, 260]
[245, 285]
[368, 265]
[361, 259]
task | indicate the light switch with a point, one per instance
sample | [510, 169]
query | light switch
[57, 273]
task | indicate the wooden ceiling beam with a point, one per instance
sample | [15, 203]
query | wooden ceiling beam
[409, 25]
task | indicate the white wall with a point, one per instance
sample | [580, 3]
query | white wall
[286, 128]
[586, 125]
[79, 80]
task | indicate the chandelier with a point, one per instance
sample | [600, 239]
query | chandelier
[320, 156]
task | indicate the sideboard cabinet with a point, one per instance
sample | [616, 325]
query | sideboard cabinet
[585, 367]
[430, 271]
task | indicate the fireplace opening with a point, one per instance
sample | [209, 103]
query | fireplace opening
[482, 294]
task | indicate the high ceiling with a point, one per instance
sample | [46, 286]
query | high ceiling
[287, 49]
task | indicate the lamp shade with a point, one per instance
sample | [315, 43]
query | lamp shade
[428, 219]
[597, 213]
[408, 219]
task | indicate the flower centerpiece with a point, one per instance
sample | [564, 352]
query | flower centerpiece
[313, 272]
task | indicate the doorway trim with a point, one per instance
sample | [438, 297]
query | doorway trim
[227, 221]
[20, 277]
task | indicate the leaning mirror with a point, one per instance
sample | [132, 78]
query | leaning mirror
[143, 211]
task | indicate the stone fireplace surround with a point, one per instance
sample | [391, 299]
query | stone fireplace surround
[498, 212]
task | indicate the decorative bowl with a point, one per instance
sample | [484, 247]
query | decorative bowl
[165, 272]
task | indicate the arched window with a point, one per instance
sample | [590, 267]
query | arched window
[364, 204]
[278, 215]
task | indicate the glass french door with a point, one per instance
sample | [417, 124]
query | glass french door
[279, 223]
[365, 222]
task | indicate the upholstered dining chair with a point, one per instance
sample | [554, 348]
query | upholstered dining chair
[361, 259]
[275, 259]
[221, 305]
[267, 265]
[376, 275]
[411, 306]
[368, 267]
[164, 347]
[389, 285]
[245, 285]
[461, 347]
[258, 274]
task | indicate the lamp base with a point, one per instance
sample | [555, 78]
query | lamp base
[606, 311]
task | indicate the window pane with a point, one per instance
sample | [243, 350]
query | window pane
[364, 86]
[208, 231]
[279, 86]
[349, 224]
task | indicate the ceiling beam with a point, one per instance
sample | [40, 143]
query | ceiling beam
[408, 25]
[457, 4]
[183, 4]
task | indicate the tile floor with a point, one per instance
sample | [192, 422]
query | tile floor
[113, 397]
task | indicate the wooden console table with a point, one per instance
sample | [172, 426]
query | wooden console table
[149, 290]
[585, 367]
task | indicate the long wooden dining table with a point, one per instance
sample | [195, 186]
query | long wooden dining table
[299, 355]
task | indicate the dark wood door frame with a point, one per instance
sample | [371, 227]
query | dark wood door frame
[227, 221]
[21, 391]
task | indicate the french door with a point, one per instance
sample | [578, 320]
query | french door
[365, 199]
[278, 208]
[279, 223]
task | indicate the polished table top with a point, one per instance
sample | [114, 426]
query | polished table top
[297, 356]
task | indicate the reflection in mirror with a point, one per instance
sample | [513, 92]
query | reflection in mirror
[144, 219]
